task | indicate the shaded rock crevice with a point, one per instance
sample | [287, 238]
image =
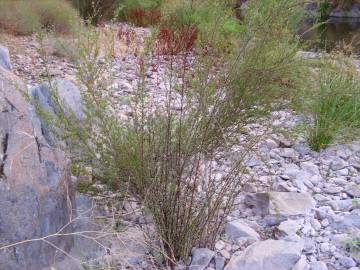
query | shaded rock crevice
[38, 145]
[4, 154]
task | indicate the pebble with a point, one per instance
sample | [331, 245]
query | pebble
[325, 247]
[337, 164]
[325, 222]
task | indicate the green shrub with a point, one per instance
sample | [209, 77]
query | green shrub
[335, 107]
[267, 72]
[166, 151]
[57, 15]
[26, 17]
[96, 10]
[215, 20]
[323, 11]
[18, 17]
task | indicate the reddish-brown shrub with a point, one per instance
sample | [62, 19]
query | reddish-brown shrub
[171, 41]
[144, 17]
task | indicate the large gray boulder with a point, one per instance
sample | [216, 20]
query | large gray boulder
[268, 255]
[5, 58]
[280, 203]
[36, 194]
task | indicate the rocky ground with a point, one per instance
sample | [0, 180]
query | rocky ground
[301, 212]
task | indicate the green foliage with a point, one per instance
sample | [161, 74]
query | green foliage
[166, 153]
[26, 17]
[95, 10]
[267, 71]
[323, 11]
[335, 107]
[353, 246]
[215, 20]
[125, 7]
[86, 188]
[58, 16]
[18, 18]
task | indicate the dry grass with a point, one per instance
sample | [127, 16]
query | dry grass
[26, 17]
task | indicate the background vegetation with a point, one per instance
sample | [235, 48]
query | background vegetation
[222, 75]
[27, 17]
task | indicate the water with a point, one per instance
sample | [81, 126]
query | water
[336, 32]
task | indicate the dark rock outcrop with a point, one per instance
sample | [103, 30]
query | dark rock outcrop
[36, 194]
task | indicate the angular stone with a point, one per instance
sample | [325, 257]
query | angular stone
[267, 255]
[291, 171]
[5, 58]
[318, 266]
[280, 203]
[36, 194]
[239, 228]
[302, 264]
[310, 168]
[344, 205]
[289, 227]
[332, 189]
[201, 258]
[351, 221]
[347, 262]
[353, 190]
[283, 186]
[288, 153]
[338, 164]
[54, 98]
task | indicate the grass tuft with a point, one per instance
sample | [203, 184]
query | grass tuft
[335, 106]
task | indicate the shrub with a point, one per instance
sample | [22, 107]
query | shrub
[267, 73]
[176, 40]
[139, 12]
[18, 17]
[143, 17]
[56, 15]
[26, 17]
[335, 107]
[168, 151]
[214, 20]
[166, 157]
[96, 10]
